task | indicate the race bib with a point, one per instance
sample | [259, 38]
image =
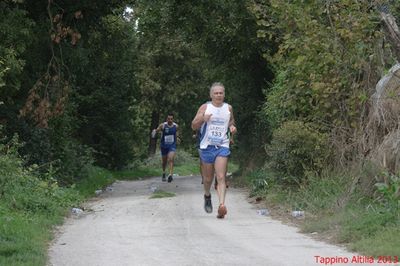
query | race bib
[217, 134]
[169, 139]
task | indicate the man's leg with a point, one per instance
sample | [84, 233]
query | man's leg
[220, 171]
[164, 165]
[171, 158]
[201, 169]
[208, 174]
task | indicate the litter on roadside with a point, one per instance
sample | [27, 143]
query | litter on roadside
[298, 214]
[263, 212]
[76, 211]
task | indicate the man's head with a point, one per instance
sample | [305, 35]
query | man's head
[217, 92]
[170, 118]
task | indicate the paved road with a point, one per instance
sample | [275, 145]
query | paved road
[126, 227]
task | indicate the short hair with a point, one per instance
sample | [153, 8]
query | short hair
[170, 114]
[216, 84]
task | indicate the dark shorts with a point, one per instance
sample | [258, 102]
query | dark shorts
[166, 150]
[211, 153]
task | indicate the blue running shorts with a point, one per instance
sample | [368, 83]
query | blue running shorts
[166, 150]
[211, 153]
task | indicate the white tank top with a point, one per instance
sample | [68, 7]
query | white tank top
[216, 129]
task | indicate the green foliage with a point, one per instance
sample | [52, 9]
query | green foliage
[15, 34]
[385, 241]
[23, 191]
[280, 106]
[360, 223]
[96, 178]
[259, 181]
[320, 193]
[8, 164]
[185, 47]
[325, 62]
[171, 76]
[22, 239]
[295, 150]
[106, 95]
[55, 148]
[32, 203]
[390, 192]
[3, 71]
[333, 210]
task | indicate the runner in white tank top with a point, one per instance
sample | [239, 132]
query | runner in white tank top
[216, 129]
[217, 118]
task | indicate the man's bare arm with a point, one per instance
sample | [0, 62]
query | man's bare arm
[160, 127]
[178, 136]
[199, 119]
[232, 126]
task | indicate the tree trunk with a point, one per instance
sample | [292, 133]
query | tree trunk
[393, 32]
[155, 117]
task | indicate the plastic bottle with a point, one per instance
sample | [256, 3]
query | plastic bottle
[297, 213]
[264, 212]
[76, 211]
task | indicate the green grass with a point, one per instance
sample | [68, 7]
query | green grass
[385, 242]
[135, 173]
[24, 238]
[27, 220]
[97, 178]
[188, 169]
[359, 221]
[370, 231]
[162, 194]
[232, 167]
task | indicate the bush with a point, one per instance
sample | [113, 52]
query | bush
[53, 149]
[390, 192]
[23, 190]
[259, 182]
[296, 149]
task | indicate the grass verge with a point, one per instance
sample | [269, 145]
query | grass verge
[333, 212]
[31, 208]
[162, 194]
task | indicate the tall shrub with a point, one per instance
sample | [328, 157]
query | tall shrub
[296, 149]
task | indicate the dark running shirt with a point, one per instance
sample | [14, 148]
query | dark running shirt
[168, 136]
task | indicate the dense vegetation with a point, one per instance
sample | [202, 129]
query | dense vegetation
[83, 84]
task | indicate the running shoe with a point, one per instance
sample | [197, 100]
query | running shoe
[163, 178]
[207, 204]
[170, 178]
[222, 211]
